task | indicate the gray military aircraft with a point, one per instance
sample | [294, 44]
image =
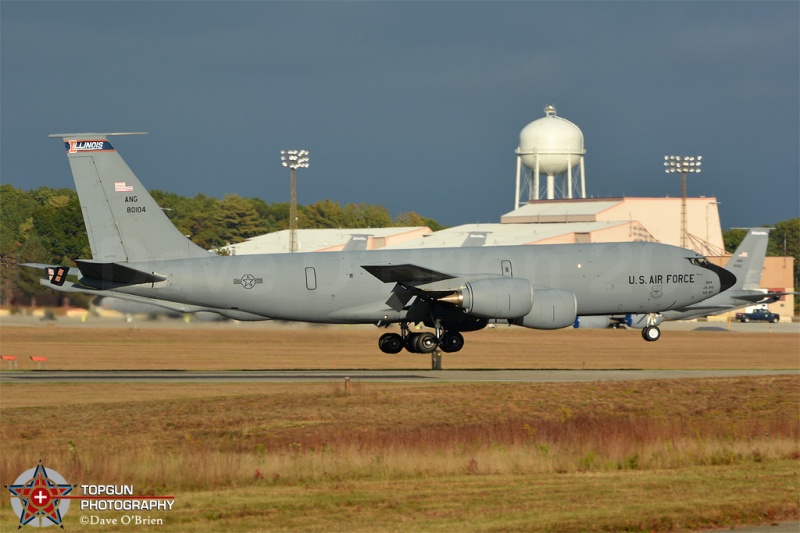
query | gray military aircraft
[746, 264]
[138, 254]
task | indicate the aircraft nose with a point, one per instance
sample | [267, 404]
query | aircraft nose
[726, 277]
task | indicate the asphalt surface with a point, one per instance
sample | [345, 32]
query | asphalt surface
[297, 376]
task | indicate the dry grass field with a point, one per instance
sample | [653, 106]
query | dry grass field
[671, 455]
[229, 347]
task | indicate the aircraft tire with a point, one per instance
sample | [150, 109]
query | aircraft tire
[452, 341]
[411, 342]
[425, 342]
[390, 343]
[651, 333]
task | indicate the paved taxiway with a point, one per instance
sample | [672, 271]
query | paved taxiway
[289, 376]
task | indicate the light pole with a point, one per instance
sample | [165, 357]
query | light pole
[684, 165]
[294, 159]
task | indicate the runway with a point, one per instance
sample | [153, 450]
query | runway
[398, 376]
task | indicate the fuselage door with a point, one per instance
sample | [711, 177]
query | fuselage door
[505, 268]
[311, 278]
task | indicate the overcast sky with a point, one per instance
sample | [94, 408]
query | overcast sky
[416, 106]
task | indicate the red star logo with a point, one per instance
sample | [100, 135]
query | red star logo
[40, 497]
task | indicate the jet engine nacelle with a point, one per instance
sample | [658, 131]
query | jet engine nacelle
[552, 309]
[494, 297]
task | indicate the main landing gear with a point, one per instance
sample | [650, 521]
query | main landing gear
[650, 332]
[425, 342]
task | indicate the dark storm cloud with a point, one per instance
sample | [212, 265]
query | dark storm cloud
[415, 106]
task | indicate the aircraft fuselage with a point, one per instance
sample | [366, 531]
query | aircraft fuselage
[333, 286]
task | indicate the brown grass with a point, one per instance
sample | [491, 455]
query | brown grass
[224, 347]
[314, 431]
[644, 455]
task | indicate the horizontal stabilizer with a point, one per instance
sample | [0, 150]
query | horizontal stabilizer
[761, 297]
[116, 273]
[56, 274]
[405, 273]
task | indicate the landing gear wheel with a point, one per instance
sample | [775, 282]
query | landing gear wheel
[425, 342]
[651, 333]
[390, 343]
[411, 342]
[436, 360]
[452, 341]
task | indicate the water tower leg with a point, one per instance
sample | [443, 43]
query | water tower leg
[569, 178]
[519, 171]
[533, 192]
[583, 180]
[551, 187]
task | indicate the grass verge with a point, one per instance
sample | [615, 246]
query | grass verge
[651, 455]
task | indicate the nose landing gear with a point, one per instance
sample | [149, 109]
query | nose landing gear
[650, 332]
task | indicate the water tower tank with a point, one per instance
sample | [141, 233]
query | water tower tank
[551, 146]
[556, 141]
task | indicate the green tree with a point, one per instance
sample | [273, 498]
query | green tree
[274, 217]
[322, 214]
[239, 219]
[178, 209]
[412, 219]
[27, 279]
[733, 238]
[367, 216]
[58, 222]
[784, 240]
[204, 219]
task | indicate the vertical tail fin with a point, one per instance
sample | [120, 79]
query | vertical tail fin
[122, 220]
[747, 261]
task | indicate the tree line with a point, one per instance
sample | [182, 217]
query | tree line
[45, 225]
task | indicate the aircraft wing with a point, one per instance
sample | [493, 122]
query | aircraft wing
[437, 293]
[405, 273]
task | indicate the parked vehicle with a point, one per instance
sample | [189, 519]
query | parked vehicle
[758, 314]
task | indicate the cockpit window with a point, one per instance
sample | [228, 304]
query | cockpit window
[699, 261]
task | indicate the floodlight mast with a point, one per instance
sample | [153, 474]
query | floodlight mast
[684, 165]
[294, 159]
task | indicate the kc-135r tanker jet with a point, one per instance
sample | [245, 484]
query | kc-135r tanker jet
[139, 255]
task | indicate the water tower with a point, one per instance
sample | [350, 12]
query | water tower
[552, 146]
